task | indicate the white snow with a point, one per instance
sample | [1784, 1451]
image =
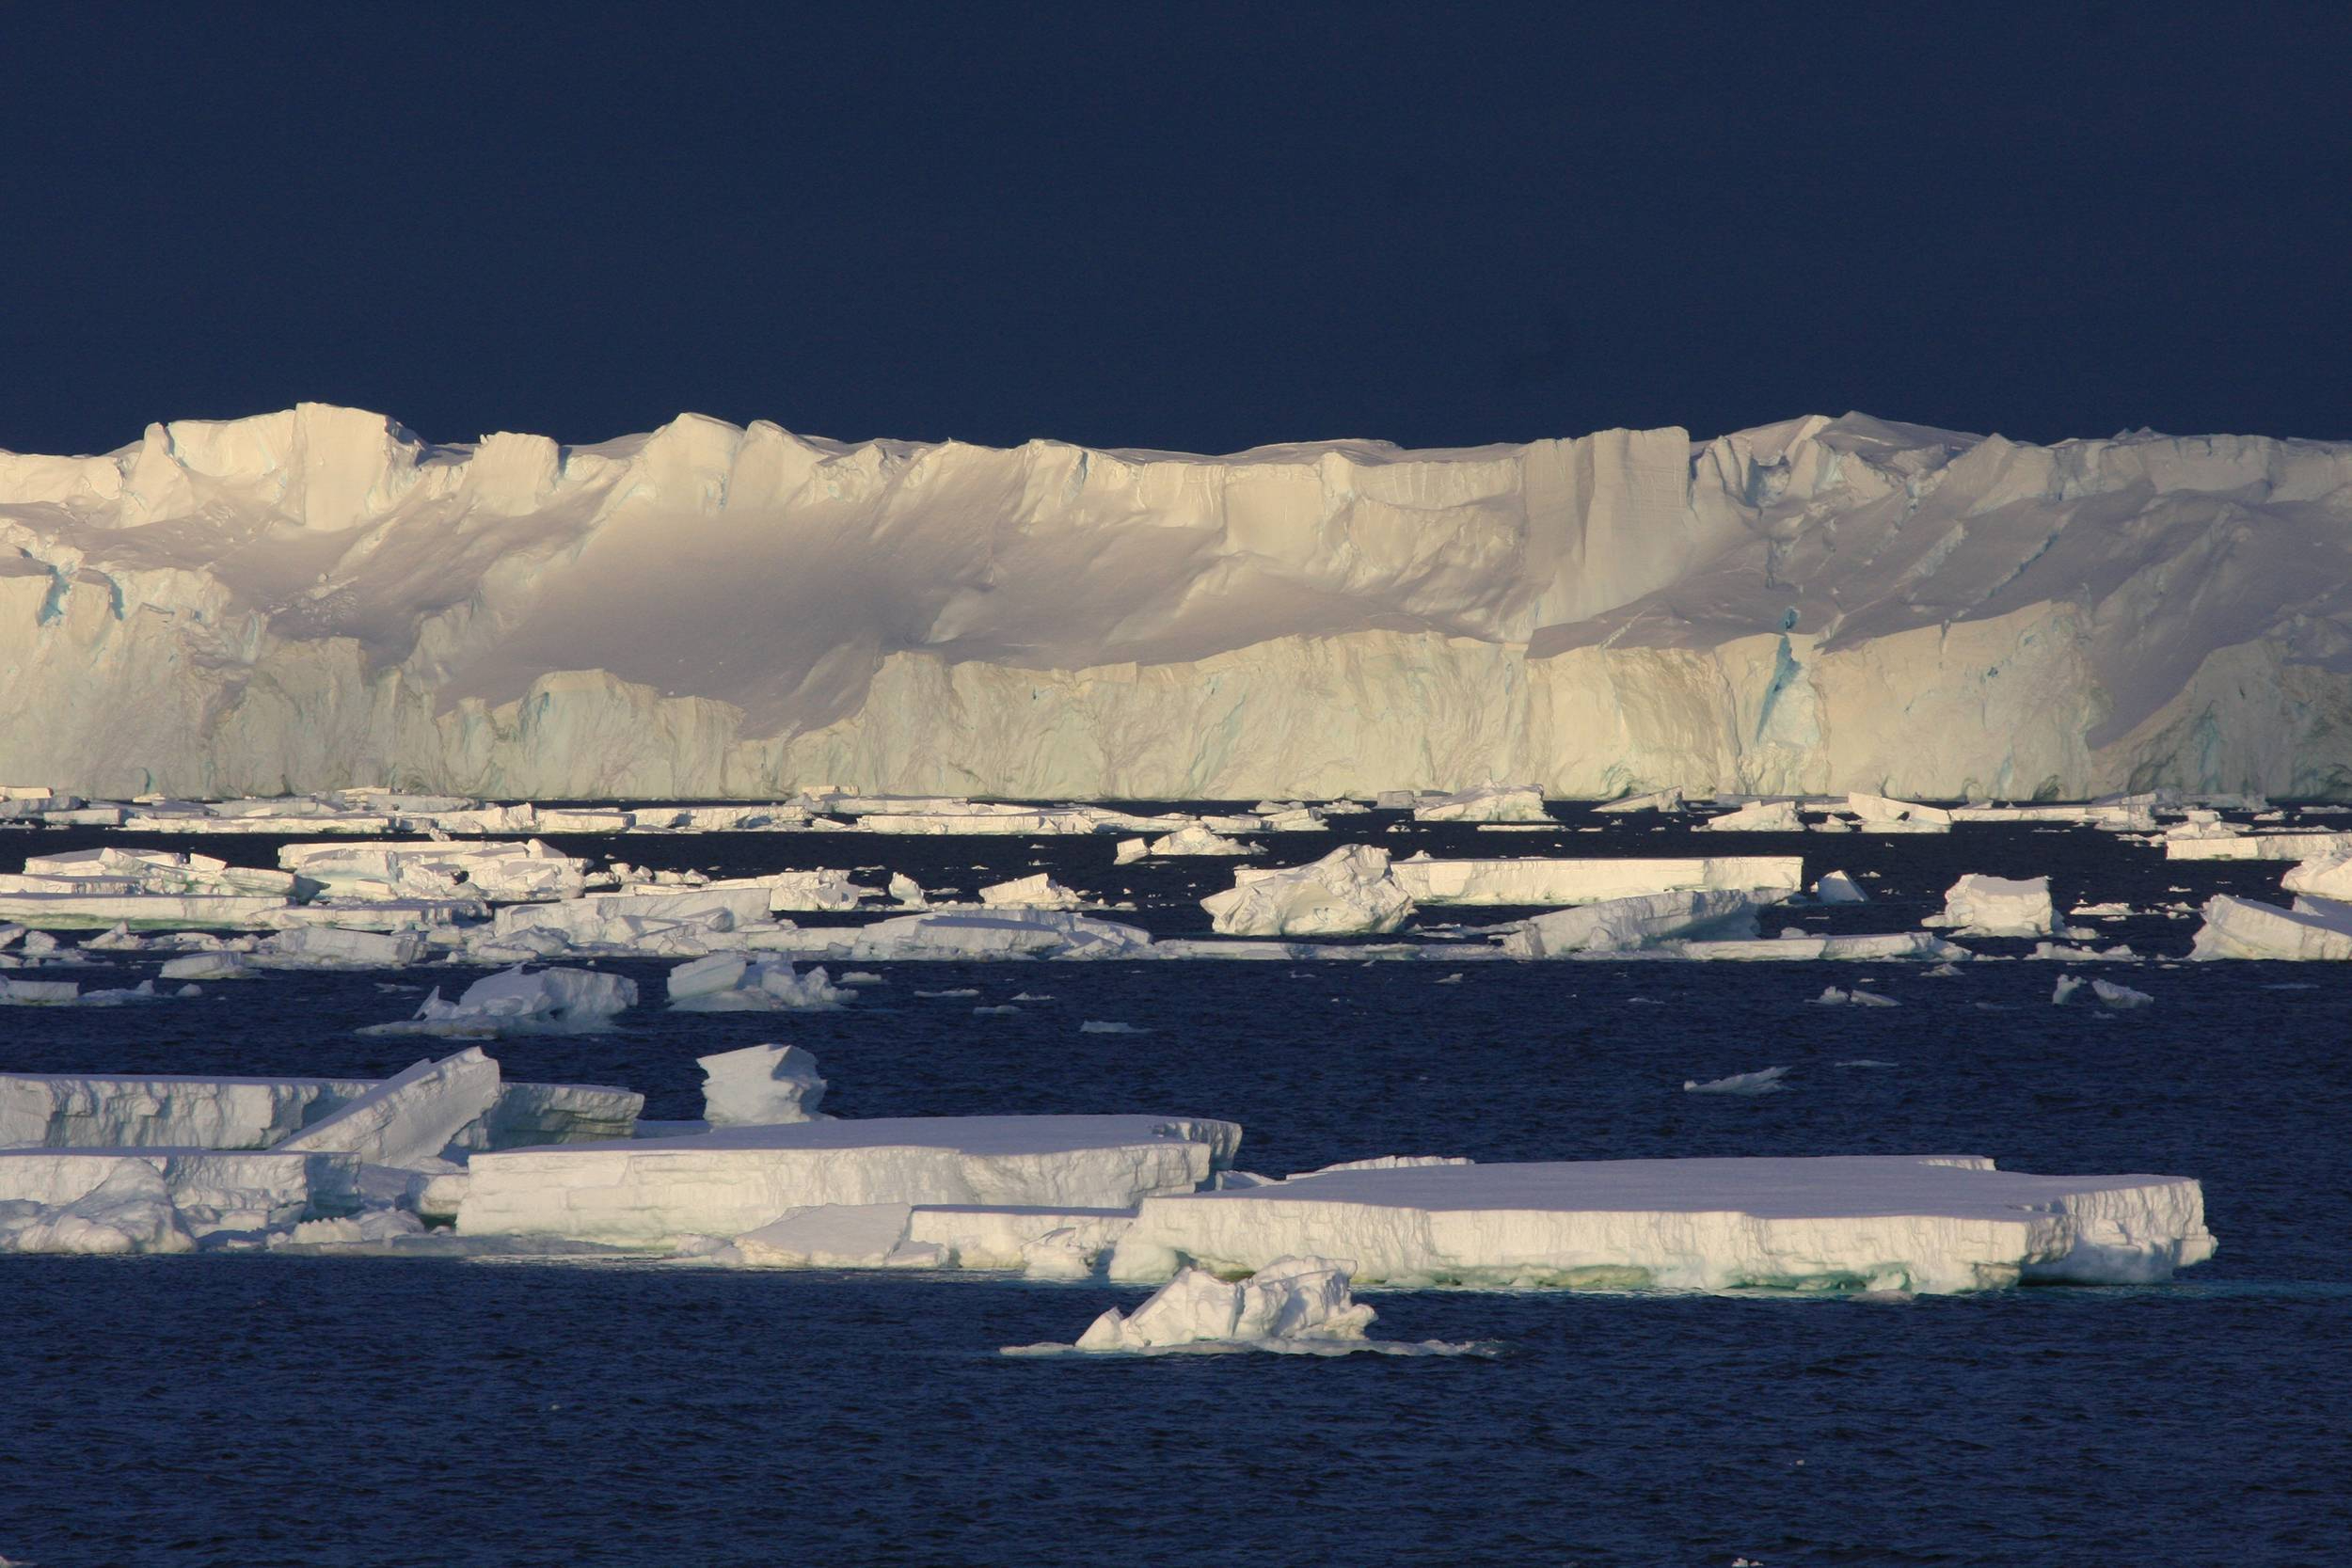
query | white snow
[1926, 1224]
[760, 1085]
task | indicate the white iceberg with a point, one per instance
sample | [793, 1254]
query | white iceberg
[1040, 892]
[1291, 1303]
[408, 1117]
[732, 982]
[730, 1181]
[1763, 817]
[760, 1085]
[1349, 892]
[2241, 929]
[521, 1001]
[1981, 906]
[1486, 802]
[1623, 925]
[1929, 1224]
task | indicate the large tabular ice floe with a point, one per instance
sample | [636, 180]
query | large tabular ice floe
[1586, 882]
[1936, 1224]
[732, 1179]
[2244, 928]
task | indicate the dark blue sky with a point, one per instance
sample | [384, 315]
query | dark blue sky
[1205, 230]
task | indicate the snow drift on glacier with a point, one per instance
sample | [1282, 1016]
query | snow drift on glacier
[316, 598]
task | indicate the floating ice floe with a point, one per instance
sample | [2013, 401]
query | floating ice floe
[1621, 925]
[497, 871]
[2321, 878]
[521, 1001]
[1349, 892]
[730, 1181]
[410, 1117]
[1762, 816]
[162, 1200]
[1486, 802]
[760, 1085]
[1668, 799]
[1040, 892]
[1930, 1224]
[1763, 1080]
[1834, 997]
[1564, 881]
[1981, 906]
[732, 982]
[1196, 840]
[2315, 928]
[2109, 994]
[1878, 815]
[2261, 847]
[1294, 1306]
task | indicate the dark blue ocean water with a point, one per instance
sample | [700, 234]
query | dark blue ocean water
[300, 1411]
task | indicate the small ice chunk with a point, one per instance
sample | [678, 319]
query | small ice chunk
[1764, 817]
[1832, 996]
[1349, 891]
[1040, 892]
[1104, 1026]
[1763, 1080]
[732, 982]
[520, 1001]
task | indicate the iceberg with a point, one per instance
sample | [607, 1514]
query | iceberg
[1291, 1303]
[760, 1085]
[1040, 892]
[520, 1001]
[1982, 905]
[1349, 892]
[2237, 928]
[734, 1180]
[1198, 839]
[1818, 605]
[1623, 925]
[1486, 802]
[1764, 817]
[730, 982]
[1930, 1224]
[408, 1117]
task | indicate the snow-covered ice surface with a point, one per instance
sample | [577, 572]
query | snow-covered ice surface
[1818, 605]
[1939, 1224]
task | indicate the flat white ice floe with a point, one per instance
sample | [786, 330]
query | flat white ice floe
[1919, 1223]
[1349, 892]
[971, 934]
[521, 1001]
[1623, 925]
[1568, 881]
[2315, 928]
[1763, 817]
[1879, 815]
[730, 1181]
[2261, 847]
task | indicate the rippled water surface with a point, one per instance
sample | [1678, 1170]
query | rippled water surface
[278, 1410]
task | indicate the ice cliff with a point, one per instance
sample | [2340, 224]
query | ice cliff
[316, 598]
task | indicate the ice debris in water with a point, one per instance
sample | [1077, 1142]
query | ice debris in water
[1832, 997]
[2120, 998]
[1764, 1081]
[730, 982]
[1108, 1026]
[1297, 1305]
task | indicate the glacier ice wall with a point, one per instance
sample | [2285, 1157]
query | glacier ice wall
[316, 598]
